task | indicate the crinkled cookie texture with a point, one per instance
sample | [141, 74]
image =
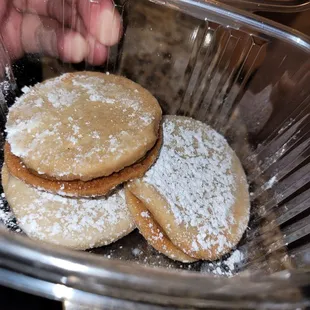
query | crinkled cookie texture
[74, 223]
[196, 191]
[83, 125]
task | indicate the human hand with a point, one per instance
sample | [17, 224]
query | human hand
[36, 26]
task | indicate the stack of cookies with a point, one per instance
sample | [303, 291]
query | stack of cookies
[88, 158]
[193, 203]
[71, 142]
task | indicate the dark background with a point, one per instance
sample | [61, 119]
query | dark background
[14, 300]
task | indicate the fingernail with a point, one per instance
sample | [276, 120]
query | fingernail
[97, 53]
[75, 48]
[20, 5]
[108, 27]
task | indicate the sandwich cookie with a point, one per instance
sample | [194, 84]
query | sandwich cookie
[82, 126]
[77, 188]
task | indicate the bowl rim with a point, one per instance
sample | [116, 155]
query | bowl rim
[237, 19]
[270, 5]
[58, 273]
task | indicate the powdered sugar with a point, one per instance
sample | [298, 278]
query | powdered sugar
[60, 98]
[136, 252]
[146, 119]
[235, 258]
[270, 183]
[95, 135]
[39, 102]
[15, 137]
[74, 215]
[225, 267]
[111, 93]
[145, 214]
[7, 218]
[26, 89]
[60, 126]
[62, 220]
[193, 173]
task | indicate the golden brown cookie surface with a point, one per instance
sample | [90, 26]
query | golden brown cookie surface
[92, 188]
[151, 231]
[74, 223]
[197, 190]
[83, 125]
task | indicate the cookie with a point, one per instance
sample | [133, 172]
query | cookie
[93, 188]
[154, 234]
[82, 126]
[196, 191]
[74, 223]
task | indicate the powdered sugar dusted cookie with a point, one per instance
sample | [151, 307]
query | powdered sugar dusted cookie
[196, 191]
[74, 223]
[83, 125]
[154, 234]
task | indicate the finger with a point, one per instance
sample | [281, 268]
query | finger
[44, 35]
[58, 9]
[62, 11]
[10, 31]
[101, 19]
[97, 53]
